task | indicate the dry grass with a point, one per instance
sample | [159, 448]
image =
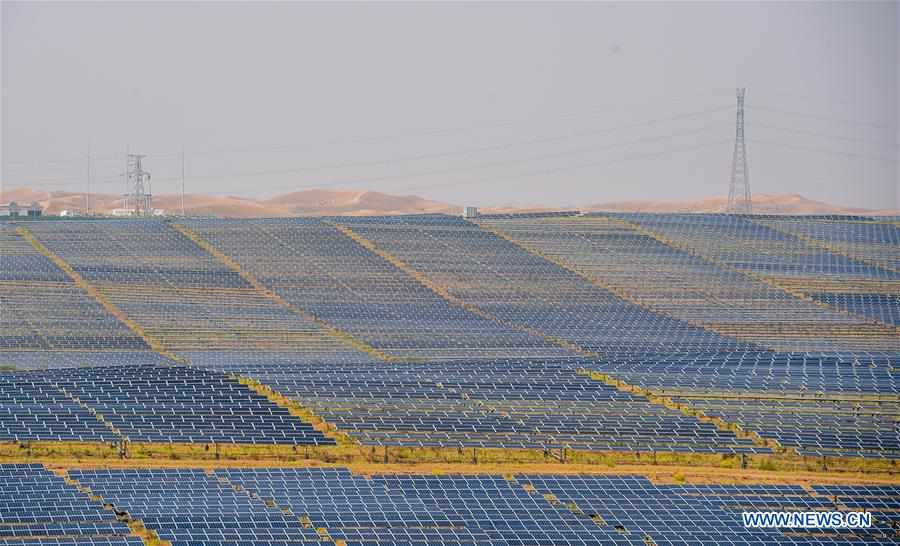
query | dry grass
[148, 536]
[297, 410]
[663, 467]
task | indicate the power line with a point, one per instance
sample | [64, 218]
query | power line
[340, 140]
[516, 176]
[110, 181]
[431, 131]
[824, 118]
[823, 150]
[64, 181]
[482, 165]
[451, 153]
[757, 124]
[67, 160]
[580, 166]
[288, 148]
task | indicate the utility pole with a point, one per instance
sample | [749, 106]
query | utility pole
[182, 180]
[125, 175]
[138, 200]
[739, 189]
[87, 197]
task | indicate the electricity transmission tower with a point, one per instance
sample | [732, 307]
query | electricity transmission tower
[139, 201]
[739, 190]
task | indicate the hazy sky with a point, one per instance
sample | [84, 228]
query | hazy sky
[482, 104]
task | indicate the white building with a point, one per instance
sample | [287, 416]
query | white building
[14, 209]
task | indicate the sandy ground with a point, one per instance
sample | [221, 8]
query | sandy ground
[657, 474]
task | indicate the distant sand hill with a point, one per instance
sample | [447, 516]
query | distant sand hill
[347, 202]
[301, 203]
[763, 203]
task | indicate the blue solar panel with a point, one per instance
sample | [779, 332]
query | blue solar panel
[764, 321]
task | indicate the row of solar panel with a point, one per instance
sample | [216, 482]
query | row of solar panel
[313, 241]
[486, 270]
[39, 507]
[680, 266]
[507, 403]
[516, 404]
[143, 404]
[242, 504]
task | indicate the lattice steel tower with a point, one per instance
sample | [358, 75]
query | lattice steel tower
[139, 201]
[739, 190]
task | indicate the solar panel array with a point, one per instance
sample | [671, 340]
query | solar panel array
[493, 404]
[33, 408]
[784, 260]
[783, 325]
[315, 267]
[143, 404]
[187, 506]
[815, 427]
[835, 365]
[43, 309]
[786, 326]
[49, 360]
[176, 404]
[684, 285]
[38, 507]
[881, 500]
[756, 372]
[178, 293]
[305, 505]
[706, 514]
[352, 508]
[522, 288]
[872, 243]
